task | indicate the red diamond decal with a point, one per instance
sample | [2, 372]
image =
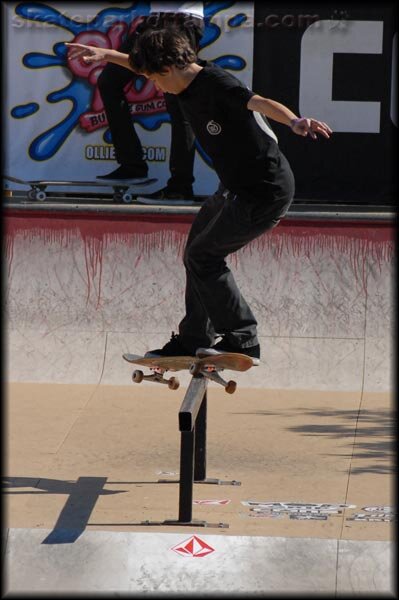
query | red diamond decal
[194, 547]
[206, 502]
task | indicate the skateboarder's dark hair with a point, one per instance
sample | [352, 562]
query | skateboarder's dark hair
[154, 50]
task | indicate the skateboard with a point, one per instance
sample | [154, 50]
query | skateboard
[208, 366]
[120, 188]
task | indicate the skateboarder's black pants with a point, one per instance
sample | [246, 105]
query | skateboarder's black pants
[127, 144]
[214, 304]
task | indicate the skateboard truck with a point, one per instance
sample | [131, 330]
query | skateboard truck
[211, 372]
[37, 192]
[157, 376]
[208, 371]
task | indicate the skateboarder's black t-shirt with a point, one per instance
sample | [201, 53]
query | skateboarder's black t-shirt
[240, 143]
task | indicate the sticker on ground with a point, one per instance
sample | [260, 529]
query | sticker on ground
[299, 511]
[212, 502]
[193, 547]
[376, 514]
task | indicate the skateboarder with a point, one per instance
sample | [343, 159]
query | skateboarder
[188, 17]
[257, 184]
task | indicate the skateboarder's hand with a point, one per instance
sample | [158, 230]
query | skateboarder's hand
[312, 127]
[88, 53]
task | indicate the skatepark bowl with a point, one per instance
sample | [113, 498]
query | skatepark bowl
[297, 496]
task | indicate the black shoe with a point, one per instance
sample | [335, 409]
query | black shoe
[172, 348]
[125, 172]
[168, 194]
[224, 346]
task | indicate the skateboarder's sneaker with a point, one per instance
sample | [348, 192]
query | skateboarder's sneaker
[224, 347]
[172, 348]
[125, 173]
[169, 194]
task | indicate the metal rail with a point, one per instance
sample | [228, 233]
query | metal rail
[192, 426]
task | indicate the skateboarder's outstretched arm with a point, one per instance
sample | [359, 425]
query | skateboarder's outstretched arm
[93, 54]
[270, 108]
[278, 112]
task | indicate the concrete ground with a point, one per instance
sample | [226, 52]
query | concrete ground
[84, 458]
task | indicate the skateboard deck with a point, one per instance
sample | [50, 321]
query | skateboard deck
[208, 366]
[120, 187]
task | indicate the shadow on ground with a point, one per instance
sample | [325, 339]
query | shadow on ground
[371, 434]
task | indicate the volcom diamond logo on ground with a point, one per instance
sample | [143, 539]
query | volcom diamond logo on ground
[194, 547]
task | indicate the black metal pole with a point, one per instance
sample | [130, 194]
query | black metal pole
[192, 426]
[187, 441]
[200, 442]
[191, 452]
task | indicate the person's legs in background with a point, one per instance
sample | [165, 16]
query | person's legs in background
[128, 148]
[182, 146]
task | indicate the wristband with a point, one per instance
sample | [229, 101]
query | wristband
[293, 122]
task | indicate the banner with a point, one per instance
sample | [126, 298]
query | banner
[338, 65]
[56, 126]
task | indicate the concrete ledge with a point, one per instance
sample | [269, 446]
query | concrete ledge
[95, 561]
[365, 567]
[302, 209]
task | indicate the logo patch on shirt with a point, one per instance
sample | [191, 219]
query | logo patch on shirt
[213, 128]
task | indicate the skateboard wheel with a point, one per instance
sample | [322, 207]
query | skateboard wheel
[173, 383]
[127, 198]
[41, 196]
[138, 376]
[231, 387]
[32, 195]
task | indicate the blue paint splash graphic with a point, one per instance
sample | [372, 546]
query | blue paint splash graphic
[25, 110]
[49, 142]
[237, 20]
[79, 93]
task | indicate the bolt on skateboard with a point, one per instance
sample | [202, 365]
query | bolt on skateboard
[207, 366]
[120, 187]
